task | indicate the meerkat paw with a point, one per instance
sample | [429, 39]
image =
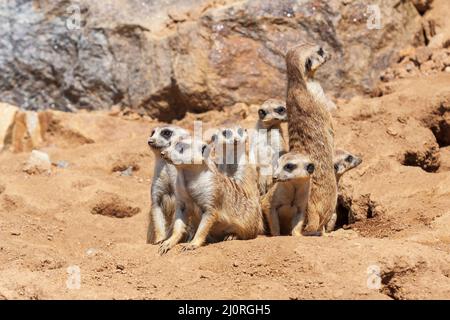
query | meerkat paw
[190, 247]
[297, 233]
[312, 233]
[164, 247]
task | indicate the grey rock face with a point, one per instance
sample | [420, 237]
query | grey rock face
[164, 58]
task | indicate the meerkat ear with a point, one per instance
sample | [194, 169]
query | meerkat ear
[205, 150]
[308, 65]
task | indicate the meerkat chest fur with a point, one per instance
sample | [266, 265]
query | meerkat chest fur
[164, 178]
[316, 90]
[199, 186]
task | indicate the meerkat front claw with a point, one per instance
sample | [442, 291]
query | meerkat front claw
[230, 237]
[190, 246]
[164, 248]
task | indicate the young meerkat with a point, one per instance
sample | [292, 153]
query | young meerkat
[163, 183]
[229, 144]
[343, 161]
[268, 143]
[311, 132]
[224, 204]
[285, 204]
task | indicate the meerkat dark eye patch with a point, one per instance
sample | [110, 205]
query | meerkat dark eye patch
[289, 167]
[336, 167]
[153, 132]
[280, 110]
[262, 113]
[214, 137]
[349, 159]
[240, 131]
[166, 133]
[308, 65]
[321, 52]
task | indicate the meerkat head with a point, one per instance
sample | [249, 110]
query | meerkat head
[186, 152]
[344, 161]
[293, 166]
[162, 136]
[303, 60]
[230, 136]
[272, 112]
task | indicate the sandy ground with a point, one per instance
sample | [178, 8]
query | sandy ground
[394, 210]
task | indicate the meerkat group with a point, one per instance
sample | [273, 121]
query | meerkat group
[234, 185]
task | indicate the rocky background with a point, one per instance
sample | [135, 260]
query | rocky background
[164, 58]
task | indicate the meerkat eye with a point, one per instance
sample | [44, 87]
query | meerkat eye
[240, 132]
[167, 133]
[227, 133]
[280, 110]
[262, 113]
[336, 167]
[320, 52]
[308, 65]
[349, 159]
[310, 168]
[153, 132]
[289, 167]
[214, 137]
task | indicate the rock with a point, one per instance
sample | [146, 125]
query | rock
[34, 128]
[423, 54]
[172, 57]
[445, 159]
[38, 163]
[7, 118]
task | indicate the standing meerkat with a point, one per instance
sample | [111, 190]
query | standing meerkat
[230, 145]
[225, 205]
[285, 204]
[268, 143]
[311, 132]
[343, 161]
[163, 183]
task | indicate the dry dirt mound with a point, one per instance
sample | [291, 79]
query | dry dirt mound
[394, 210]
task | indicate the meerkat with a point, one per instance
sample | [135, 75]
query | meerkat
[343, 161]
[226, 205]
[230, 147]
[311, 132]
[268, 143]
[163, 183]
[285, 203]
